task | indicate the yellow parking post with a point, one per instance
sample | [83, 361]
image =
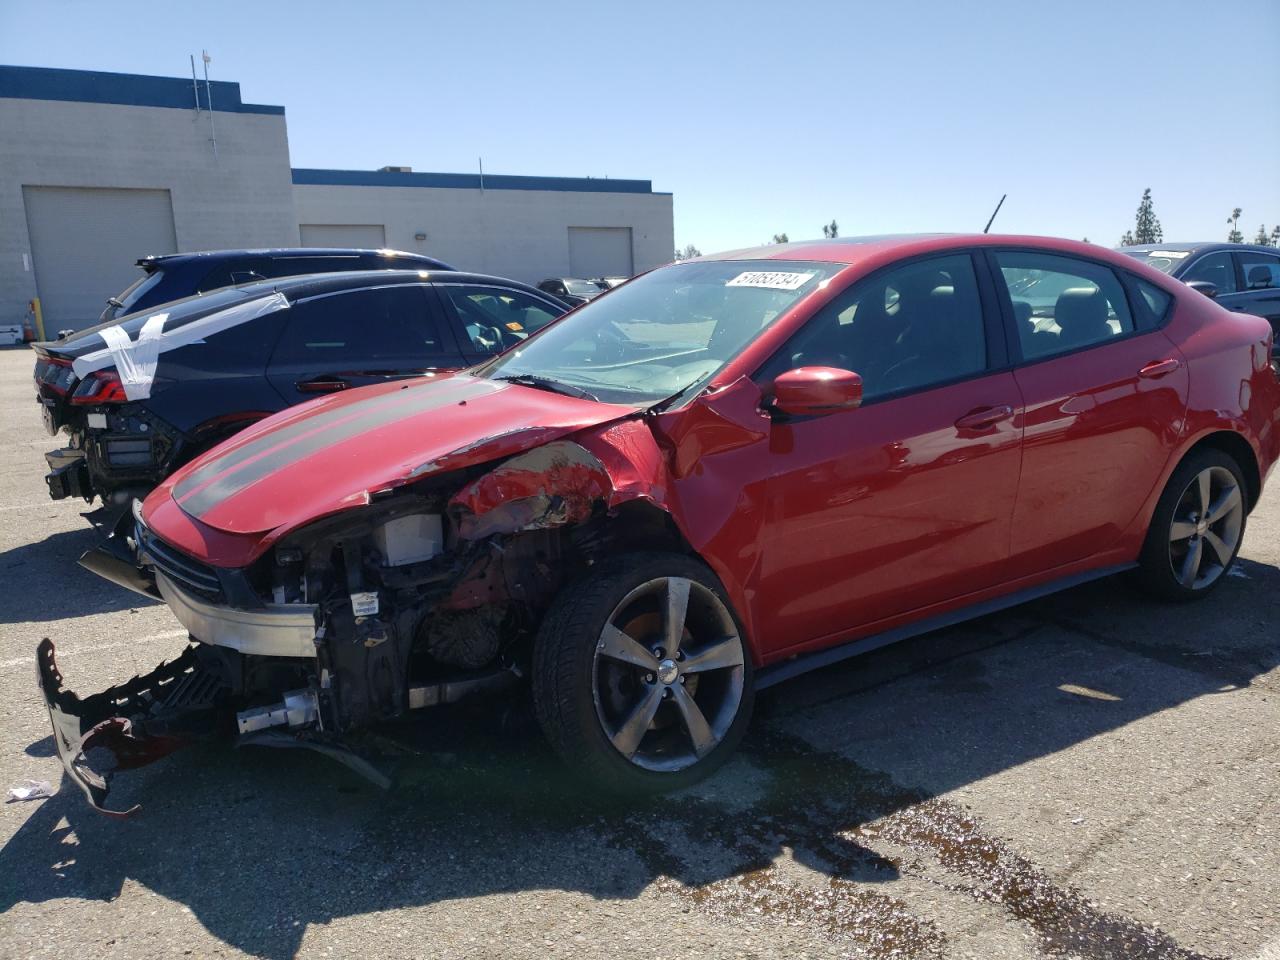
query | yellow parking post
[39, 317]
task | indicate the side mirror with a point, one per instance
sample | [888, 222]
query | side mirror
[1205, 287]
[816, 391]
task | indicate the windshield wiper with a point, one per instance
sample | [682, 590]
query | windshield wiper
[666, 402]
[545, 383]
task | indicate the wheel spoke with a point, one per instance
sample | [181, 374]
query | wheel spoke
[1220, 549]
[1202, 487]
[617, 645]
[677, 610]
[726, 653]
[695, 723]
[1225, 504]
[1182, 530]
[628, 736]
[1191, 564]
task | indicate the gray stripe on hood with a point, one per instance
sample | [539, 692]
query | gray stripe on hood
[279, 449]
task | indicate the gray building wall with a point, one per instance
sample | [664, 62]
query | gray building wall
[243, 198]
[521, 234]
[115, 133]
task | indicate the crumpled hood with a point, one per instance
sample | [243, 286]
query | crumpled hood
[331, 454]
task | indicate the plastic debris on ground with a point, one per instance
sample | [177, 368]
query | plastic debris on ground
[30, 790]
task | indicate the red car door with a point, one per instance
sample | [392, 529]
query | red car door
[907, 501]
[1104, 394]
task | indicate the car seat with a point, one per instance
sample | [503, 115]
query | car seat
[1259, 277]
[1081, 315]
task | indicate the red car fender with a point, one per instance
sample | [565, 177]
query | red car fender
[720, 517]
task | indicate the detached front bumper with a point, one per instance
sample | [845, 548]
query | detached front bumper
[130, 725]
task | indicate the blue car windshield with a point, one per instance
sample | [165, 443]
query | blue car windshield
[665, 332]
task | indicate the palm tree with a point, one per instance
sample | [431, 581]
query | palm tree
[1235, 236]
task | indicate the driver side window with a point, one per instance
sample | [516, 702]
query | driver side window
[904, 329]
[495, 318]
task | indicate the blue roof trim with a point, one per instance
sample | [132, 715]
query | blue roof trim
[131, 89]
[467, 181]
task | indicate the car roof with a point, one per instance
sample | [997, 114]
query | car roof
[1197, 247]
[296, 288]
[851, 250]
[213, 256]
[306, 285]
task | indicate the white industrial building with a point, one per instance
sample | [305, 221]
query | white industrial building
[99, 169]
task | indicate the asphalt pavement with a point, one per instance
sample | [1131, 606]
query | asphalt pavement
[1092, 775]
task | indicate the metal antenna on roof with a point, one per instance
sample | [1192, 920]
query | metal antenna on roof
[481, 159]
[195, 87]
[994, 212]
[208, 96]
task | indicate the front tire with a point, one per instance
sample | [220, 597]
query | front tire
[641, 677]
[1197, 528]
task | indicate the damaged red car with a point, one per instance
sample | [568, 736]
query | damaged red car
[721, 474]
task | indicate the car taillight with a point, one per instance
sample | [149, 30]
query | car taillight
[101, 387]
[56, 374]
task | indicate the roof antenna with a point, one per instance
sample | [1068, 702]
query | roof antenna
[195, 89]
[994, 212]
[208, 95]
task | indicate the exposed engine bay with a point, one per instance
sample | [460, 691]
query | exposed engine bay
[428, 594]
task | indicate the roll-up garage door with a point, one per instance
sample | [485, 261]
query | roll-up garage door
[364, 236]
[84, 244]
[600, 252]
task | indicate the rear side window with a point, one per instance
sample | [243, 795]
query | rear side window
[1261, 271]
[381, 323]
[494, 318]
[239, 349]
[1061, 304]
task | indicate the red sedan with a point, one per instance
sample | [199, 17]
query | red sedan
[723, 473]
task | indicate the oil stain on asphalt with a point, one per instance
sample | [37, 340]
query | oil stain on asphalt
[789, 837]
[830, 813]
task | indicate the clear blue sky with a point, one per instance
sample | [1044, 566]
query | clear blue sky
[887, 116]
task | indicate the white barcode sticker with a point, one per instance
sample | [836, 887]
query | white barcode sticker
[770, 280]
[364, 604]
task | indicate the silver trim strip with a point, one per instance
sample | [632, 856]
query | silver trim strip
[277, 630]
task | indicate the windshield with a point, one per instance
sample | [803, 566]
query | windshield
[581, 288]
[664, 332]
[1166, 261]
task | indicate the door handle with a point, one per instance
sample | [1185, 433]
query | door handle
[1159, 368]
[984, 418]
[322, 385]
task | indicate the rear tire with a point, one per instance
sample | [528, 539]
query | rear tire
[642, 680]
[1197, 528]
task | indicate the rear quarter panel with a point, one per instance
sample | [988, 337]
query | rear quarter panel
[1231, 387]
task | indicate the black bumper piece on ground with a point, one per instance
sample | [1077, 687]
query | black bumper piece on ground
[135, 723]
[116, 559]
